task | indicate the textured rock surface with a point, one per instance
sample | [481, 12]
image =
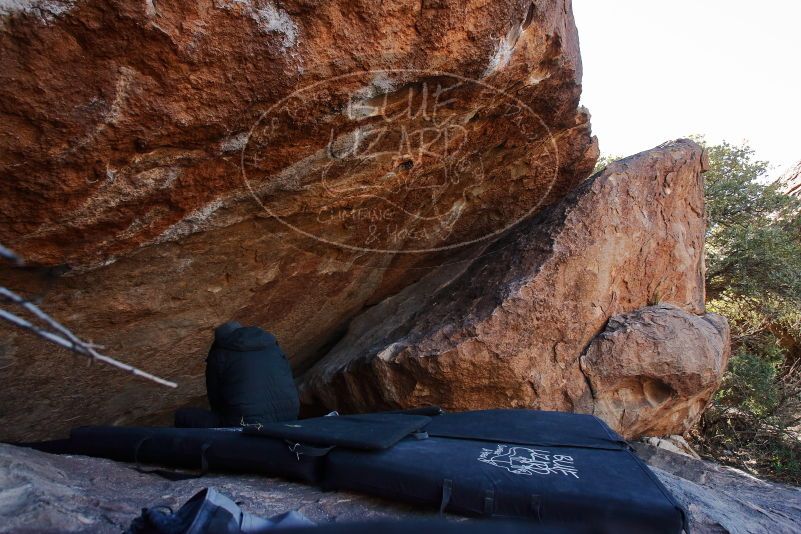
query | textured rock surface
[674, 443]
[792, 180]
[149, 149]
[43, 492]
[652, 371]
[723, 499]
[507, 329]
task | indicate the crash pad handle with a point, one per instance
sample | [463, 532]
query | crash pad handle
[137, 448]
[447, 491]
[489, 502]
[204, 462]
[536, 506]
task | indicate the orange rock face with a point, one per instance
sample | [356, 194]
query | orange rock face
[508, 328]
[651, 372]
[167, 166]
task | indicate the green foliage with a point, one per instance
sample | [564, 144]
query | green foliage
[750, 383]
[603, 161]
[751, 420]
[753, 240]
[753, 277]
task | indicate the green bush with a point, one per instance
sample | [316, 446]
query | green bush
[753, 277]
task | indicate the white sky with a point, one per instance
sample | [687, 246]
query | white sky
[727, 69]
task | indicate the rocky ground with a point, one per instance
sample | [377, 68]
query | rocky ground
[43, 493]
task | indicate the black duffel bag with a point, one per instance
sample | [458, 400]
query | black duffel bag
[248, 378]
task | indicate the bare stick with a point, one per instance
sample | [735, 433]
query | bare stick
[76, 346]
[38, 312]
[65, 337]
[9, 255]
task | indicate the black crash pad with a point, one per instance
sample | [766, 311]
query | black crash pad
[552, 469]
[560, 486]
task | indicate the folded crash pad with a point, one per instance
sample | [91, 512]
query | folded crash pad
[361, 431]
[529, 427]
[194, 448]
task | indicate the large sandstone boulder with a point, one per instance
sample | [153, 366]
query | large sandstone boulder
[168, 166]
[652, 371]
[507, 329]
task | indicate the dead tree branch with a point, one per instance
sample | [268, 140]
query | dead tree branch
[61, 335]
[10, 256]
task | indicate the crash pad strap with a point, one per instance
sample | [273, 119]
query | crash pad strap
[447, 491]
[137, 448]
[489, 502]
[204, 463]
[536, 506]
